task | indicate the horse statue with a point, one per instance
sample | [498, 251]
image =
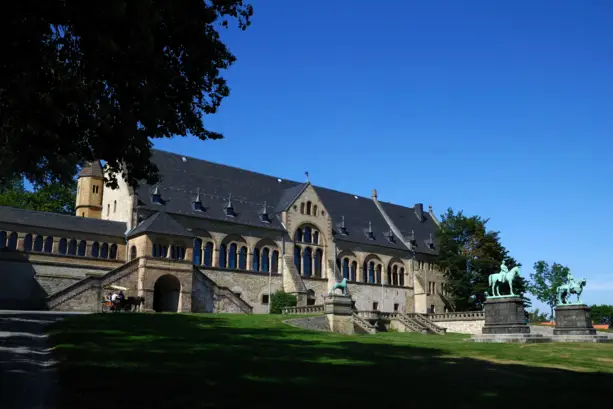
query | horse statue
[564, 291]
[502, 277]
[342, 285]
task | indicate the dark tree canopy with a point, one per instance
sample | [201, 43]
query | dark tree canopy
[85, 80]
[54, 197]
[468, 254]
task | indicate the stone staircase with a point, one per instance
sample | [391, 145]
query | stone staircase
[222, 293]
[361, 326]
[86, 295]
[424, 323]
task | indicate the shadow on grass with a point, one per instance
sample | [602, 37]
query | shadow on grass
[171, 361]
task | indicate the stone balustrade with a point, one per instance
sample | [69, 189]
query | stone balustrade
[458, 316]
[309, 309]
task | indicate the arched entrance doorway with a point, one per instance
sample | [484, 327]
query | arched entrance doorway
[166, 293]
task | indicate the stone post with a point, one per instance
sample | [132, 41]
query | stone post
[339, 313]
[574, 324]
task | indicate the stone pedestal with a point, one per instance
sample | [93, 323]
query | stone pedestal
[505, 321]
[339, 313]
[574, 324]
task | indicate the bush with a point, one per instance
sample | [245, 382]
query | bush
[280, 300]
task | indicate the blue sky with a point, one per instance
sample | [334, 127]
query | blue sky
[500, 108]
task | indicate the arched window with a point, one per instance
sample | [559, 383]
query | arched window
[371, 272]
[82, 248]
[307, 235]
[113, 252]
[346, 268]
[401, 277]
[133, 253]
[62, 246]
[265, 261]
[222, 256]
[318, 259]
[314, 210]
[242, 258]
[38, 243]
[104, 253]
[256, 260]
[302, 208]
[2, 239]
[389, 275]
[274, 262]
[395, 275]
[115, 206]
[197, 256]
[96, 250]
[379, 268]
[297, 259]
[307, 257]
[72, 247]
[298, 235]
[48, 244]
[232, 256]
[208, 254]
[308, 208]
[12, 242]
[315, 237]
[354, 271]
[27, 243]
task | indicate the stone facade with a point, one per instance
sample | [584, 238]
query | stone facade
[207, 264]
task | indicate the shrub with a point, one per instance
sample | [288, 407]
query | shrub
[280, 300]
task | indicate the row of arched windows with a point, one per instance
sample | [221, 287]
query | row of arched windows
[70, 247]
[372, 272]
[163, 251]
[308, 261]
[233, 256]
[308, 208]
[306, 235]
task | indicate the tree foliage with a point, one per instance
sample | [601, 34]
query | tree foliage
[102, 79]
[54, 198]
[537, 316]
[602, 314]
[544, 281]
[281, 299]
[468, 254]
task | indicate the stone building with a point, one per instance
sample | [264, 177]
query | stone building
[211, 237]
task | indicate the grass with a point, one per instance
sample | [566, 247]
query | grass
[257, 361]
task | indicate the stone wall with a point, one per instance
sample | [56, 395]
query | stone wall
[250, 286]
[27, 279]
[118, 204]
[463, 327]
[366, 294]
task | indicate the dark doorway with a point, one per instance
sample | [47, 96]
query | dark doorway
[166, 293]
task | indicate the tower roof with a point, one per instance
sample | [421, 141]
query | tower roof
[92, 169]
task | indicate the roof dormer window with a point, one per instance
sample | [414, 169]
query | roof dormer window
[264, 215]
[390, 237]
[343, 228]
[156, 197]
[230, 208]
[370, 234]
[198, 202]
[430, 242]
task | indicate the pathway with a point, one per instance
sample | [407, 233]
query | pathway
[27, 368]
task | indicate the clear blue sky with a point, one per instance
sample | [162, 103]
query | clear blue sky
[501, 108]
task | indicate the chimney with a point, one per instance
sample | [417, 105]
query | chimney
[374, 194]
[419, 211]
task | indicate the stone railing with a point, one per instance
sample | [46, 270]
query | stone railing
[363, 324]
[309, 309]
[410, 324]
[425, 322]
[458, 316]
[225, 292]
[370, 315]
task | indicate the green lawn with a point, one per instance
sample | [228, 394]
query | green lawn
[256, 361]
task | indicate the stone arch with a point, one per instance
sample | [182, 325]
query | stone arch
[370, 272]
[233, 237]
[166, 293]
[395, 267]
[312, 225]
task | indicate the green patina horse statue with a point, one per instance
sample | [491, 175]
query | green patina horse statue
[503, 277]
[342, 285]
[564, 291]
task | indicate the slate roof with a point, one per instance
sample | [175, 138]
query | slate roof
[61, 222]
[183, 176]
[93, 169]
[405, 219]
[161, 223]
